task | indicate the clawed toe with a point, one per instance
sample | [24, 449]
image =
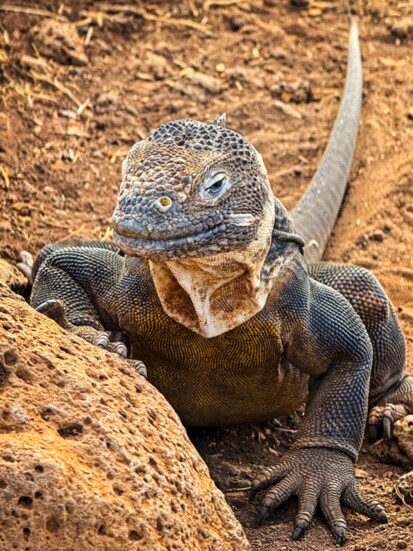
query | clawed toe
[102, 340]
[382, 418]
[139, 367]
[55, 310]
[107, 341]
[25, 265]
[263, 515]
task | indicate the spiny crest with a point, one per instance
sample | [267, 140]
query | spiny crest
[201, 136]
[220, 121]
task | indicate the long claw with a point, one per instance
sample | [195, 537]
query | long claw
[139, 367]
[102, 341]
[55, 310]
[373, 433]
[120, 349]
[299, 530]
[26, 271]
[252, 493]
[340, 536]
[256, 486]
[382, 517]
[264, 511]
[387, 427]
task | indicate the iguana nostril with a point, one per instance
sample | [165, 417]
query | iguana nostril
[163, 203]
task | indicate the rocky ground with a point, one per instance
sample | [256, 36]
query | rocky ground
[82, 81]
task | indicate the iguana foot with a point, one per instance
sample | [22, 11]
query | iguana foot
[108, 340]
[396, 405]
[315, 475]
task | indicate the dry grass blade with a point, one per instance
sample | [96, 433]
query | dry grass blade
[73, 233]
[121, 8]
[56, 84]
[237, 490]
[5, 177]
[210, 3]
[180, 23]
[82, 107]
[88, 37]
[33, 11]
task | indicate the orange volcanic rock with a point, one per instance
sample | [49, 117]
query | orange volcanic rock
[92, 457]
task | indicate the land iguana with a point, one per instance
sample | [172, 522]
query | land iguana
[220, 293]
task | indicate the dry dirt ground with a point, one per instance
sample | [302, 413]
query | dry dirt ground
[64, 130]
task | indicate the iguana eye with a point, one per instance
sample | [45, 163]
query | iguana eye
[215, 186]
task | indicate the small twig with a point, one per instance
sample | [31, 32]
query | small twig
[179, 23]
[236, 490]
[33, 11]
[74, 232]
[209, 3]
[82, 107]
[58, 85]
[5, 177]
[121, 8]
[88, 36]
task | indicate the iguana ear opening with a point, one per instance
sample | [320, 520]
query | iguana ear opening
[220, 121]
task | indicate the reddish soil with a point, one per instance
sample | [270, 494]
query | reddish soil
[60, 162]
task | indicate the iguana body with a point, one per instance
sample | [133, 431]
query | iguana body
[215, 297]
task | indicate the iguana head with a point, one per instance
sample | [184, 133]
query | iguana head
[191, 189]
[195, 200]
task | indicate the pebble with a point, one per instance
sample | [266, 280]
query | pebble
[236, 23]
[377, 235]
[287, 110]
[209, 83]
[107, 98]
[300, 3]
[5, 226]
[299, 91]
[401, 544]
[402, 28]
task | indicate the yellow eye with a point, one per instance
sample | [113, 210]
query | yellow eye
[164, 201]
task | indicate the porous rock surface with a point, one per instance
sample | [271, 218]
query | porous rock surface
[92, 457]
[11, 276]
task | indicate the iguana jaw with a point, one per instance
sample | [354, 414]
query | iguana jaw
[185, 246]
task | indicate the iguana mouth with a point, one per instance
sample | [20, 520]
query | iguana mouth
[136, 243]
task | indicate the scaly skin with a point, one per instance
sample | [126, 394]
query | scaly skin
[214, 296]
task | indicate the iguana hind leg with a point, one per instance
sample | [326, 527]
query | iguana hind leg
[391, 389]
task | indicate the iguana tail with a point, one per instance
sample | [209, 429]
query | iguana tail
[315, 214]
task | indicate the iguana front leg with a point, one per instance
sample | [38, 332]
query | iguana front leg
[64, 292]
[330, 343]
